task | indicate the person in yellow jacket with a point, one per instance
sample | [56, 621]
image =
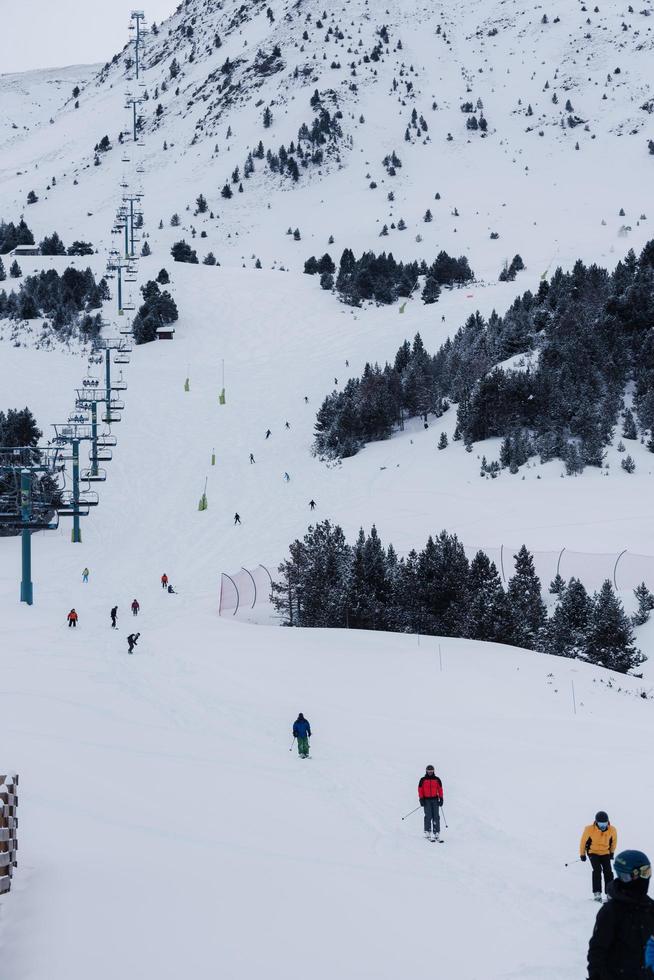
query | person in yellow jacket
[599, 842]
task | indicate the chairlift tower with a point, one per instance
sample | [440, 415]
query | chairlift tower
[27, 501]
[137, 16]
[133, 100]
[75, 504]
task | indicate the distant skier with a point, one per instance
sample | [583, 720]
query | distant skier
[268, 433]
[72, 619]
[619, 944]
[286, 478]
[306, 399]
[164, 580]
[132, 640]
[347, 363]
[237, 518]
[335, 381]
[430, 795]
[312, 504]
[599, 842]
[302, 732]
[171, 590]
[135, 608]
[287, 425]
[85, 575]
[251, 458]
[114, 614]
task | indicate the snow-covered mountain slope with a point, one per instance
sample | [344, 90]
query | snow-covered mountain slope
[523, 179]
[160, 805]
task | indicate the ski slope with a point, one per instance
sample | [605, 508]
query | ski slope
[159, 801]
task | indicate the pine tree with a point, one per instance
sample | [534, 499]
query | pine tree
[15, 270]
[32, 198]
[610, 637]
[557, 585]
[146, 250]
[209, 259]
[629, 430]
[527, 606]
[52, 245]
[488, 615]
[201, 204]
[3, 274]
[182, 252]
[174, 221]
[645, 601]
[163, 278]
[431, 291]
[226, 192]
[565, 634]
[442, 442]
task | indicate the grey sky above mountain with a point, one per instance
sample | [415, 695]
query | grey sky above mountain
[54, 33]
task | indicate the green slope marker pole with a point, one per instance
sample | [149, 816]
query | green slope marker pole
[213, 457]
[26, 588]
[221, 397]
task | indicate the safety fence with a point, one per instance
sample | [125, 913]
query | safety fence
[249, 587]
[8, 829]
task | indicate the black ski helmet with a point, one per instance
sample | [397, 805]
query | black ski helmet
[602, 817]
[630, 865]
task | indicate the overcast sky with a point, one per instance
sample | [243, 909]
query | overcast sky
[53, 33]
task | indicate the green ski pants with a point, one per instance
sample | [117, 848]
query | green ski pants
[303, 745]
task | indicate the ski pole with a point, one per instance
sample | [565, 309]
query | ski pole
[568, 863]
[444, 820]
[412, 811]
[292, 744]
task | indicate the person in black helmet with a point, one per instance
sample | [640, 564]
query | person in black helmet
[599, 842]
[624, 924]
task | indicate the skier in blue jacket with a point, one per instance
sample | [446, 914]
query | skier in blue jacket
[302, 732]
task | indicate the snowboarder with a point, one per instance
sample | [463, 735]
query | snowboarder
[85, 575]
[302, 732]
[268, 433]
[72, 619]
[171, 590]
[599, 842]
[251, 458]
[286, 478]
[430, 795]
[114, 613]
[625, 923]
[135, 608]
[164, 580]
[132, 640]
[312, 504]
[237, 518]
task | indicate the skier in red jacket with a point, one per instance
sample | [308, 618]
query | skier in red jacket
[430, 794]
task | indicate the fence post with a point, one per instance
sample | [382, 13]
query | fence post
[253, 583]
[615, 567]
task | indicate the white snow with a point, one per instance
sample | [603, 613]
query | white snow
[165, 828]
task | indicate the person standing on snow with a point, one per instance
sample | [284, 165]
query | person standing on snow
[164, 580]
[617, 948]
[312, 504]
[72, 619]
[430, 794]
[114, 613]
[268, 433]
[251, 458]
[237, 518]
[132, 640]
[302, 732]
[135, 608]
[85, 575]
[599, 842]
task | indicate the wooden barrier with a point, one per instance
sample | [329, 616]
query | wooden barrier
[8, 829]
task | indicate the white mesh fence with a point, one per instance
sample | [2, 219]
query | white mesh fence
[249, 587]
